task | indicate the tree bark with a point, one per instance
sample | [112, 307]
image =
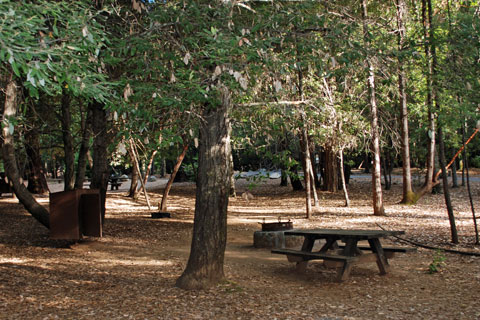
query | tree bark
[37, 182]
[149, 169]
[408, 196]
[295, 180]
[378, 208]
[9, 160]
[69, 153]
[446, 192]
[316, 180]
[163, 205]
[205, 264]
[330, 181]
[344, 184]
[136, 162]
[133, 191]
[232, 191]
[84, 147]
[306, 171]
[454, 174]
[465, 166]
[100, 172]
[429, 181]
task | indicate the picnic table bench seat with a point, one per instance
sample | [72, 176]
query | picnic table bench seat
[389, 250]
[312, 255]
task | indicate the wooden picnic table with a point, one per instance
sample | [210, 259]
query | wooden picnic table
[344, 255]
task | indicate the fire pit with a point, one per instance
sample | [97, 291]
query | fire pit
[277, 226]
[272, 235]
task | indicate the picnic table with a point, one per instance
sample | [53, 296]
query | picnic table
[114, 182]
[345, 254]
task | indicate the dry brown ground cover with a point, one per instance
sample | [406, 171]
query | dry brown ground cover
[130, 272]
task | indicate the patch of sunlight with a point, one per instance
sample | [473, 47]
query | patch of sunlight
[131, 262]
[254, 219]
[270, 210]
[13, 260]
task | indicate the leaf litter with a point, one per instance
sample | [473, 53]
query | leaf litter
[130, 273]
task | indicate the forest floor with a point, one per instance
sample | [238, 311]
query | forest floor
[130, 273]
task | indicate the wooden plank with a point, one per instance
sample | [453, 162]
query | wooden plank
[382, 261]
[341, 233]
[387, 249]
[313, 255]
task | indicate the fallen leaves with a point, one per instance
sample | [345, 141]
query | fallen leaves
[131, 272]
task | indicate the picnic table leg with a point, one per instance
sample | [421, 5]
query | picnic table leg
[344, 271]
[350, 250]
[307, 246]
[331, 243]
[382, 261]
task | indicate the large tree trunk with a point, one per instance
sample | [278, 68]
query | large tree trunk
[69, 153]
[9, 160]
[205, 264]
[163, 205]
[37, 182]
[84, 147]
[330, 181]
[100, 172]
[378, 208]
[408, 196]
[446, 192]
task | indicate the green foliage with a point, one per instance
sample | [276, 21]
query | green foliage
[438, 262]
[50, 45]
[475, 162]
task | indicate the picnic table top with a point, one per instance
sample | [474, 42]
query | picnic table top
[364, 234]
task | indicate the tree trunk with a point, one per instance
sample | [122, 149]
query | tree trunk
[136, 162]
[330, 181]
[386, 172]
[344, 184]
[284, 178]
[454, 174]
[378, 208]
[205, 264]
[133, 191]
[84, 147]
[232, 192]
[100, 172]
[431, 114]
[295, 180]
[306, 171]
[446, 192]
[163, 205]
[9, 161]
[408, 196]
[149, 169]
[465, 166]
[69, 153]
[316, 180]
[37, 182]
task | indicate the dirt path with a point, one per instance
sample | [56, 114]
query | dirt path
[130, 273]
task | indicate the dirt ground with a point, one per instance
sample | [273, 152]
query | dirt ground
[130, 273]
